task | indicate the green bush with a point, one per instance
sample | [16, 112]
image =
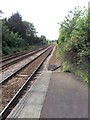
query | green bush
[82, 74]
[66, 67]
[6, 50]
[12, 42]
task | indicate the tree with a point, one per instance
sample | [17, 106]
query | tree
[73, 32]
[43, 39]
[11, 42]
[30, 32]
[15, 24]
[29, 28]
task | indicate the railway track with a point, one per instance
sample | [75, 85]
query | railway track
[20, 65]
[11, 60]
[14, 87]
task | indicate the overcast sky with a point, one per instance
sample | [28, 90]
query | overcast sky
[44, 14]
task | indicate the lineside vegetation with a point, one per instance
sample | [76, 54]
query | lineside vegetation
[73, 42]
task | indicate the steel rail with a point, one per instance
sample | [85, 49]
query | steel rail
[8, 57]
[13, 101]
[6, 79]
[10, 60]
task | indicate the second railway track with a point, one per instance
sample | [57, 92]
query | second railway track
[12, 89]
[11, 60]
[20, 65]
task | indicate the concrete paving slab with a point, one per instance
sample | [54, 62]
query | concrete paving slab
[34, 100]
[31, 111]
[42, 84]
[40, 88]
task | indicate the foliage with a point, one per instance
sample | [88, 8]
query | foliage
[43, 39]
[73, 40]
[11, 40]
[30, 32]
[25, 29]
[82, 74]
[18, 35]
[66, 67]
[15, 24]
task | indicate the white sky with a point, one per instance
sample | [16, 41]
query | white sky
[44, 14]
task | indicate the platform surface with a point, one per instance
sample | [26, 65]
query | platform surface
[67, 97]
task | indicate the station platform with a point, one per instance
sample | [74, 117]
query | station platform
[54, 95]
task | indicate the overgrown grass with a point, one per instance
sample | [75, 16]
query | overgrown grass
[81, 73]
[77, 70]
[66, 66]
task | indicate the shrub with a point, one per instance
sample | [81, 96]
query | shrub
[66, 67]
